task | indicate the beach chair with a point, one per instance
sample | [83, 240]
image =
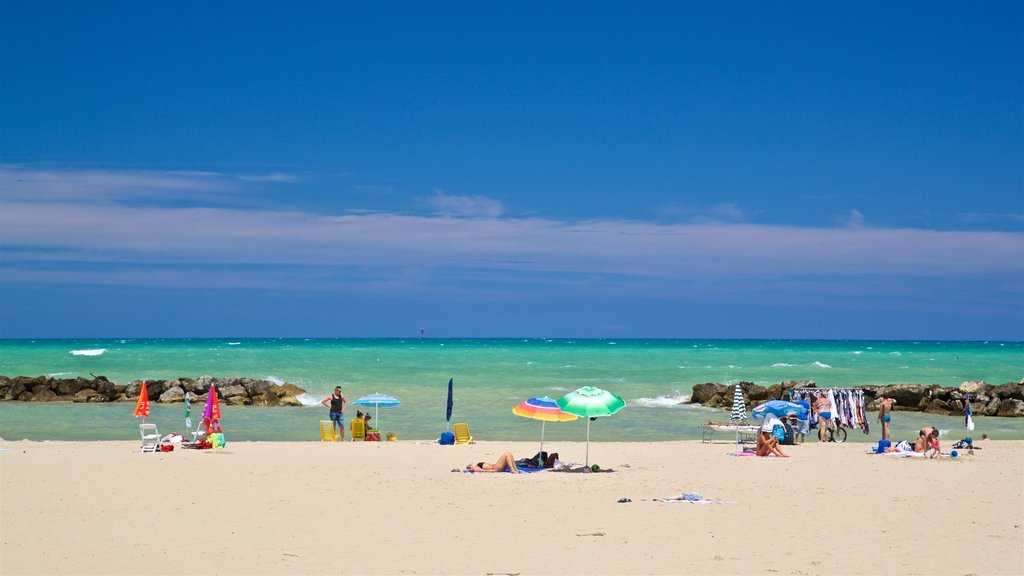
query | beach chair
[327, 431]
[150, 437]
[358, 429]
[462, 435]
[199, 434]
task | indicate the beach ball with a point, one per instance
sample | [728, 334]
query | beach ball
[954, 454]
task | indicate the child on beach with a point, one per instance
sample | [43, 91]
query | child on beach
[933, 450]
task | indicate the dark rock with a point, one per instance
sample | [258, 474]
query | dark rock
[240, 400]
[46, 395]
[267, 398]
[174, 394]
[1009, 390]
[14, 390]
[1011, 407]
[232, 390]
[940, 407]
[701, 392]
[88, 395]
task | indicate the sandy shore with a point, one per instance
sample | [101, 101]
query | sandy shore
[396, 508]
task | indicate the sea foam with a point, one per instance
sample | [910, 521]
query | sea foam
[307, 400]
[821, 365]
[661, 401]
[93, 352]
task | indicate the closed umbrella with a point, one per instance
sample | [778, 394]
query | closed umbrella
[378, 401]
[544, 409]
[448, 411]
[211, 411]
[591, 402]
[968, 421]
[739, 410]
[142, 406]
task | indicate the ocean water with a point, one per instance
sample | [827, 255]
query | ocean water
[491, 376]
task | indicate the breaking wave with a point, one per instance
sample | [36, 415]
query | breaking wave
[661, 401]
[93, 352]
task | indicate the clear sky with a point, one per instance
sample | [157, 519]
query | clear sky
[550, 169]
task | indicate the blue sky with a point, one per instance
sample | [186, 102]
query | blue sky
[569, 169]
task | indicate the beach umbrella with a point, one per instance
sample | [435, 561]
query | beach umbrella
[378, 401]
[591, 402]
[544, 409]
[211, 412]
[142, 406]
[739, 409]
[448, 412]
[968, 421]
[188, 412]
[780, 408]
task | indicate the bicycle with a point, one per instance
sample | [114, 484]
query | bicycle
[836, 432]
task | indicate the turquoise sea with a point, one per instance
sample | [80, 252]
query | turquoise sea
[491, 376]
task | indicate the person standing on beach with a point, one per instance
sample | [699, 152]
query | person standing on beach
[823, 407]
[337, 403]
[884, 415]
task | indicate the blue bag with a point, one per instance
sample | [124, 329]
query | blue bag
[447, 439]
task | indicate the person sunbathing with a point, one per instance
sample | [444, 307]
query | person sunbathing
[767, 444]
[924, 437]
[504, 462]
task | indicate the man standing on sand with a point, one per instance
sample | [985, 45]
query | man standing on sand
[337, 405]
[884, 415]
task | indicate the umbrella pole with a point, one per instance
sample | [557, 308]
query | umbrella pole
[542, 423]
[587, 458]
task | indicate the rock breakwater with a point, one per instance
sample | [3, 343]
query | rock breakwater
[986, 399]
[232, 391]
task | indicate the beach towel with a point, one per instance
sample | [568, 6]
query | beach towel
[581, 469]
[523, 470]
[692, 498]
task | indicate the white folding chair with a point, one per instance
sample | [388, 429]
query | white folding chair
[150, 437]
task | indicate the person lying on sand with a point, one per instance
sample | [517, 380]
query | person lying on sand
[504, 462]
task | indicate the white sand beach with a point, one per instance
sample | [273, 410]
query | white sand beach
[397, 508]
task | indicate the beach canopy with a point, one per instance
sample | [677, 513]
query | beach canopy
[544, 409]
[780, 408]
[142, 406]
[739, 406]
[378, 401]
[591, 402]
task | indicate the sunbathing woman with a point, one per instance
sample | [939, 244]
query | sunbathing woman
[504, 462]
[768, 445]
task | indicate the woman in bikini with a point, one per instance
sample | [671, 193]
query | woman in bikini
[504, 462]
[768, 445]
[824, 410]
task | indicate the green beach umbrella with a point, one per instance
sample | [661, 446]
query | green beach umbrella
[591, 402]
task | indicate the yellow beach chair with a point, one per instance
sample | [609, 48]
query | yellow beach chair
[327, 433]
[358, 429]
[462, 435]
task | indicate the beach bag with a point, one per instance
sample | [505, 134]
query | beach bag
[447, 439]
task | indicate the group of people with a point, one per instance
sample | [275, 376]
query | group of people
[337, 403]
